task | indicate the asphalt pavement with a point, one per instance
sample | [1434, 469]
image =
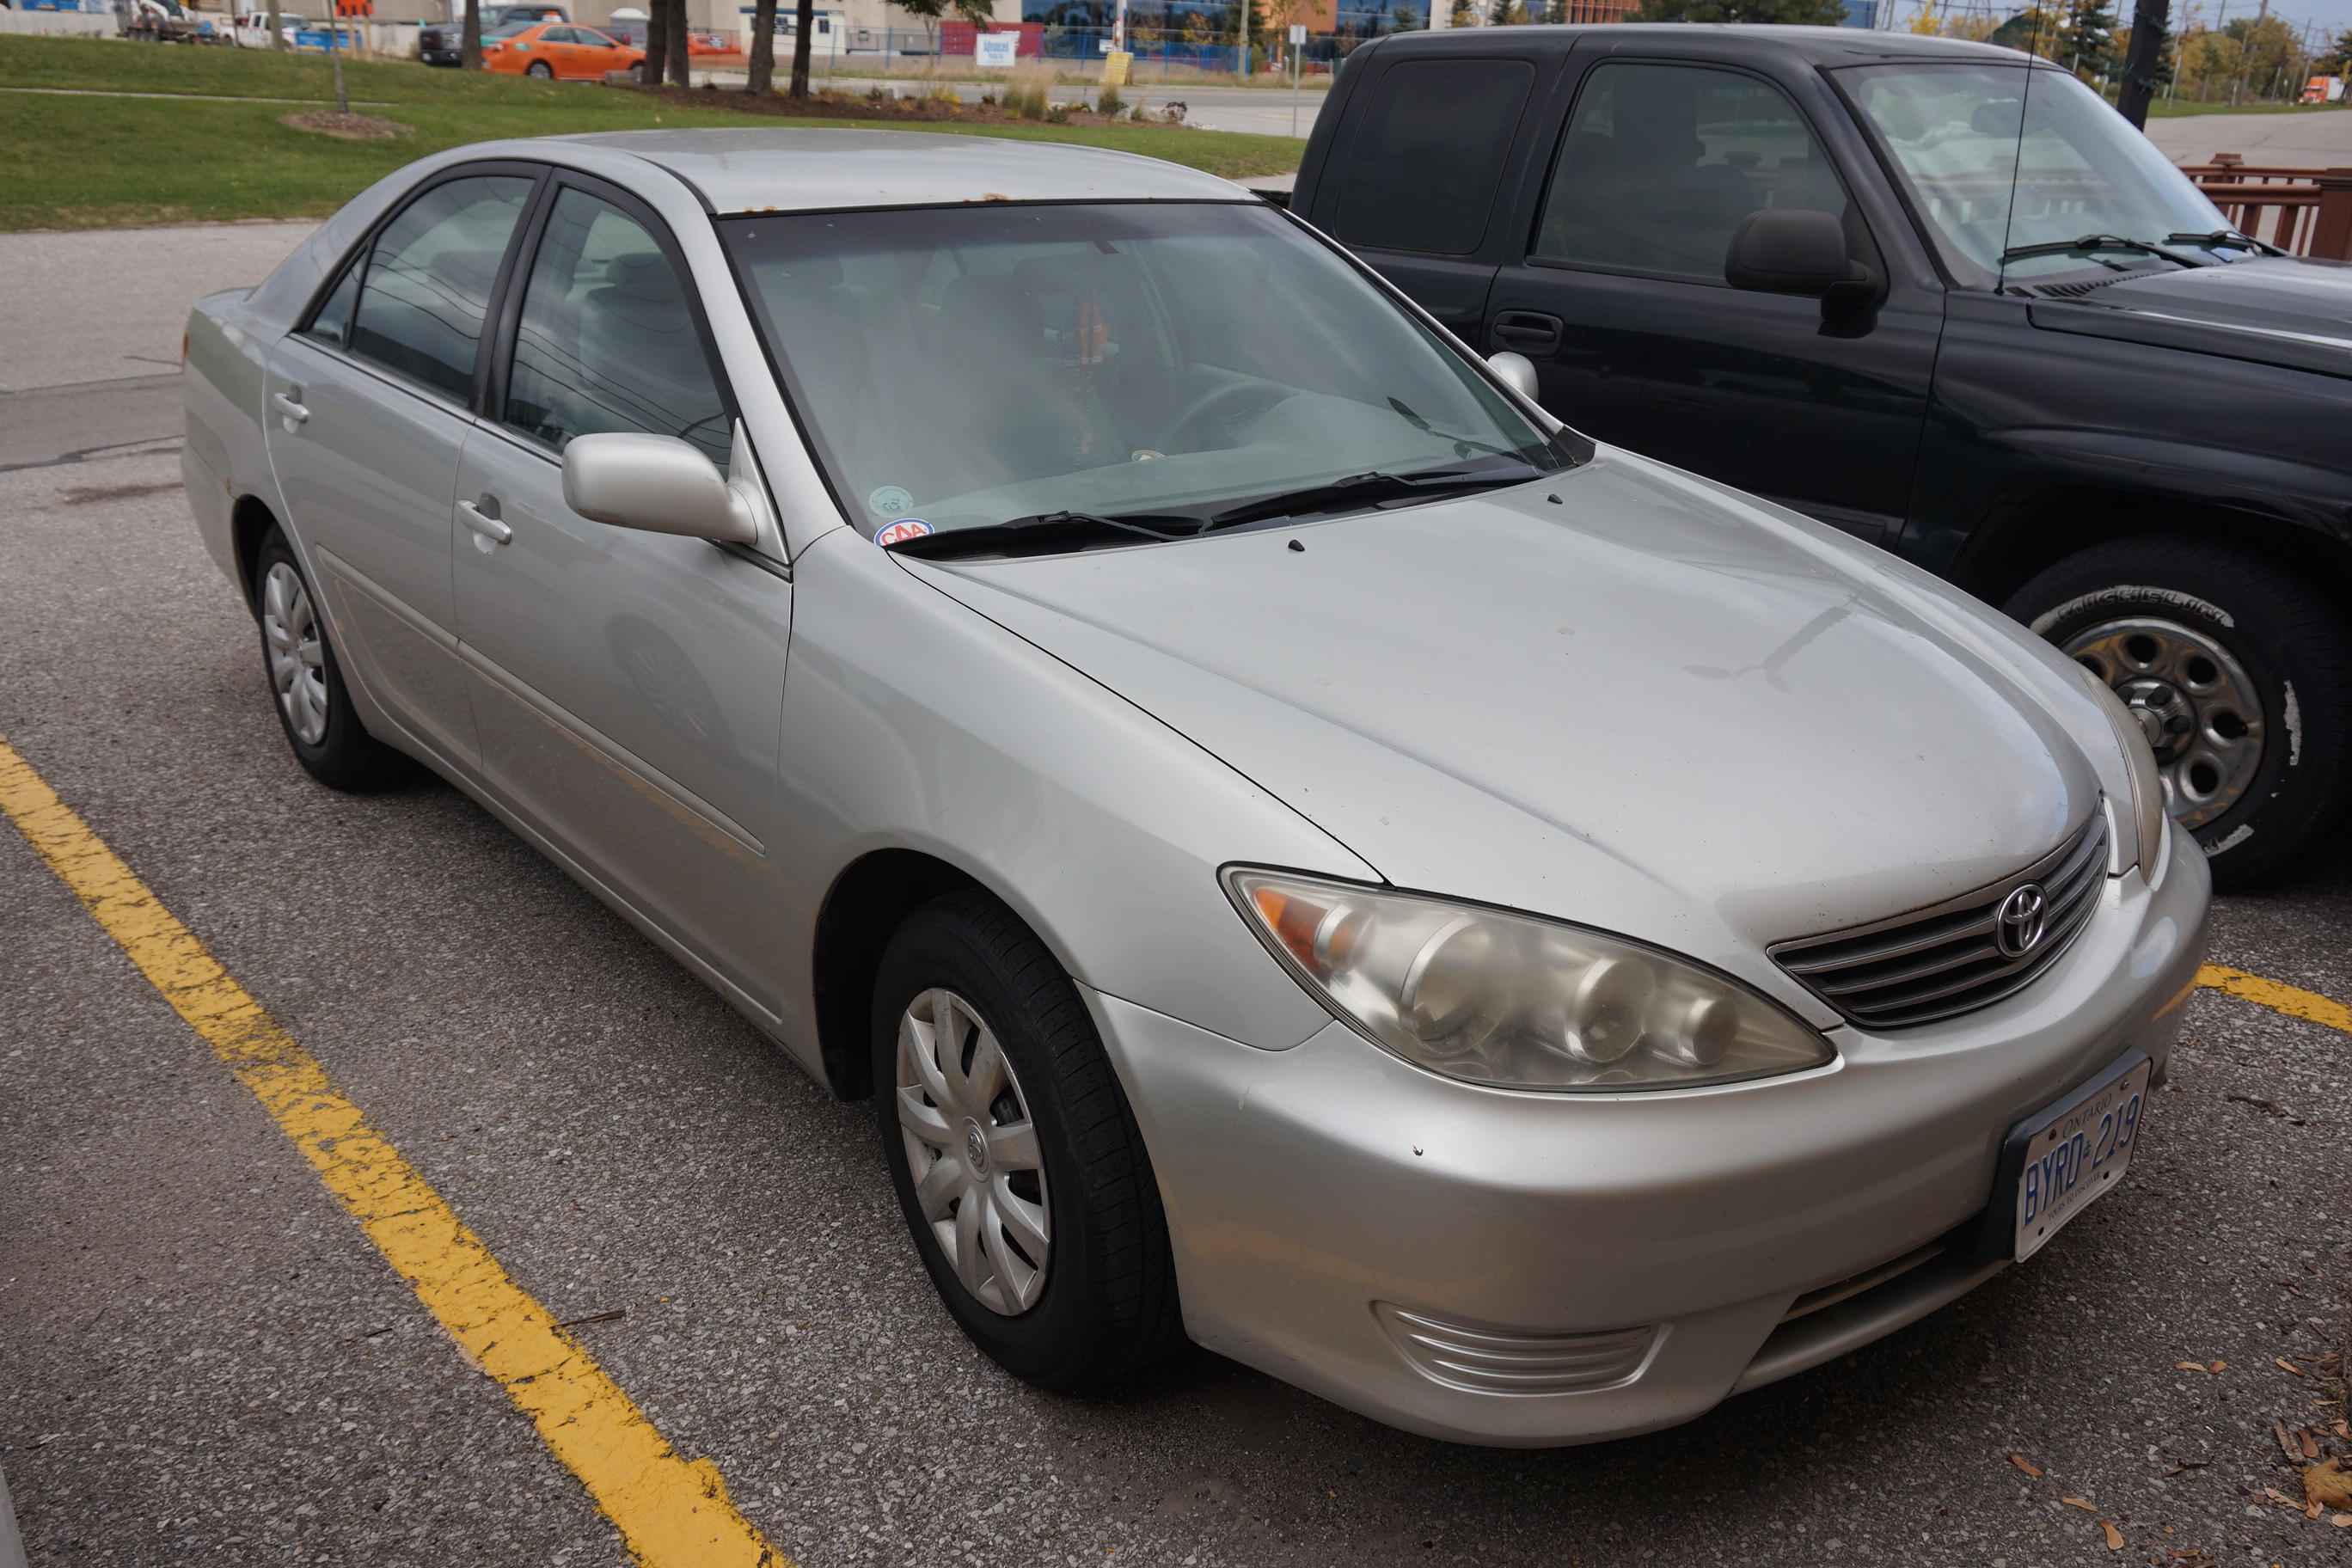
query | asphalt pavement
[2312, 140]
[204, 1360]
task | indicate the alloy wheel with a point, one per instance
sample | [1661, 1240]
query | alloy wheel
[2201, 710]
[972, 1149]
[297, 662]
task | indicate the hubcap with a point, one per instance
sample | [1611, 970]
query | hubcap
[2195, 702]
[289, 633]
[972, 1149]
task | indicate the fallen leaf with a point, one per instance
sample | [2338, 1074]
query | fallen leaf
[2188, 1367]
[2019, 1460]
[2328, 1485]
[2342, 1522]
[2310, 1444]
[2287, 1365]
[2217, 1368]
[2114, 1536]
[2277, 1496]
[2287, 1445]
[2078, 1502]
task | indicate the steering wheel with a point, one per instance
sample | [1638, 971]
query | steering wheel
[1225, 400]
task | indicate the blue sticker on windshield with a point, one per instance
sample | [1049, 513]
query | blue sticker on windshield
[905, 529]
[889, 502]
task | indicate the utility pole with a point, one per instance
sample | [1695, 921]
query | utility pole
[2142, 62]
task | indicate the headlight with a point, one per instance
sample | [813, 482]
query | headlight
[1502, 999]
[2147, 784]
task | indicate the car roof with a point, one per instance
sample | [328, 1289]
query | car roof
[1818, 46]
[760, 171]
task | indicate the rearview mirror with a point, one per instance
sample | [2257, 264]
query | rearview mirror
[1518, 371]
[659, 484]
[1788, 250]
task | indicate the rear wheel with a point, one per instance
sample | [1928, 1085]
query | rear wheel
[1015, 1156]
[2241, 678]
[538, 68]
[313, 707]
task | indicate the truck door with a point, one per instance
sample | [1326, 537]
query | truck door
[1620, 299]
[1416, 173]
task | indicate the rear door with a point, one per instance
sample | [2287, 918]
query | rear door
[1421, 170]
[369, 407]
[1619, 294]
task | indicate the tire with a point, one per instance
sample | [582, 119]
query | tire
[1102, 1302]
[540, 70]
[2190, 633]
[306, 683]
[638, 73]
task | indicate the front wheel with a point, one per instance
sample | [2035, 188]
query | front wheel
[2241, 678]
[1015, 1156]
[638, 73]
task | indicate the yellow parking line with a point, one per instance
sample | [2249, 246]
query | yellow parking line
[671, 1512]
[2280, 998]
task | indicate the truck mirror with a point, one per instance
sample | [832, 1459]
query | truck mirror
[1788, 250]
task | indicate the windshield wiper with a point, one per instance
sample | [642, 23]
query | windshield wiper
[1368, 490]
[2093, 242]
[2228, 238]
[1040, 533]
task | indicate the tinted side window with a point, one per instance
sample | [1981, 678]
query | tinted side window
[1661, 162]
[607, 340]
[429, 283]
[1429, 154]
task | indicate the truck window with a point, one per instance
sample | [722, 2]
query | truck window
[1661, 162]
[1429, 154]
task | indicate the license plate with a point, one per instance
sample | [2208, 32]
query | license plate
[2074, 1152]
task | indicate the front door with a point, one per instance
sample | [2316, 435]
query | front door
[629, 686]
[368, 414]
[1638, 340]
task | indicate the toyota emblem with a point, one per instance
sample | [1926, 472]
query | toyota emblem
[2024, 916]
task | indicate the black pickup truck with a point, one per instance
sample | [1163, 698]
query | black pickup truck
[1930, 292]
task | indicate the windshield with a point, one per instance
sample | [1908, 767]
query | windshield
[1995, 166]
[968, 366]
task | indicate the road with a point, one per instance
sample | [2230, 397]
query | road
[2310, 141]
[204, 1360]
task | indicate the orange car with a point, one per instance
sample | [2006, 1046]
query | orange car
[565, 50]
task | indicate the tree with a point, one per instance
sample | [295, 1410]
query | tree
[470, 40]
[2339, 55]
[657, 61]
[2035, 30]
[2143, 62]
[762, 82]
[1784, 13]
[679, 60]
[804, 23]
[2086, 44]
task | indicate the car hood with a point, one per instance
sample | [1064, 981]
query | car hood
[2280, 309]
[1650, 704]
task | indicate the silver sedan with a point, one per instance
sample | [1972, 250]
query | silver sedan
[1305, 852]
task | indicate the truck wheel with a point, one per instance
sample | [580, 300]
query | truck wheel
[1015, 1156]
[2240, 676]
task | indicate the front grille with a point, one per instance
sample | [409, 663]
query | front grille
[1941, 962]
[1500, 1361]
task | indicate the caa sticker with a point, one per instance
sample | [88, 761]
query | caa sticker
[905, 529]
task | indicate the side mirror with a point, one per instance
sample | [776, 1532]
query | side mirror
[1518, 371]
[1788, 250]
[655, 483]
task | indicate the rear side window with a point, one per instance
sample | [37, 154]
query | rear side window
[1428, 155]
[428, 282]
[1661, 162]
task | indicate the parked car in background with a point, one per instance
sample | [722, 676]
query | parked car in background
[1304, 850]
[443, 43]
[632, 28]
[1934, 294]
[251, 30]
[563, 51]
[169, 22]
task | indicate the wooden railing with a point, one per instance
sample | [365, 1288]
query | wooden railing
[2307, 212]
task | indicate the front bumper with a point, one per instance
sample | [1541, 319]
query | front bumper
[1329, 1202]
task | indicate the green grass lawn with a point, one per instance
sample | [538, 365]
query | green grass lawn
[2161, 110]
[93, 161]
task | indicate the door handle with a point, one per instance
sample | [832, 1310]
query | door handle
[483, 523]
[291, 411]
[1529, 331]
